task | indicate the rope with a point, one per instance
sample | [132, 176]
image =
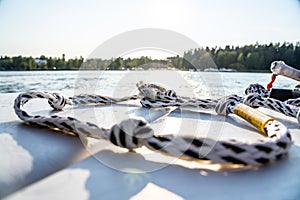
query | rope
[270, 84]
[154, 96]
[134, 133]
[98, 99]
[257, 96]
[280, 68]
[257, 89]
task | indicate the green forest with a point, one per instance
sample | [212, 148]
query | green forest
[257, 57]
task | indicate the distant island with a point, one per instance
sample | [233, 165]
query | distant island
[257, 57]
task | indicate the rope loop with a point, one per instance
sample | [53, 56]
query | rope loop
[257, 89]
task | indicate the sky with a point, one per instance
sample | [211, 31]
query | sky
[76, 27]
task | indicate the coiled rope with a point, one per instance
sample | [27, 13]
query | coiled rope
[134, 133]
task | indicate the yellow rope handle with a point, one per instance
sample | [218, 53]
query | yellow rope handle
[256, 118]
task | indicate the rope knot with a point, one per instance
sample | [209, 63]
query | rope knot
[258, 89]
[130, 133]
[148, 93]
[57, 102]
[226, 105]
[251, 100]
[150, 90]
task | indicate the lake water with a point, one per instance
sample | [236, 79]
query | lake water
[120, 83]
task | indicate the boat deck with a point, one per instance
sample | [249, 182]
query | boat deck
[37, 163]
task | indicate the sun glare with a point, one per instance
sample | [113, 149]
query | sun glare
[154, 53]
[169, 12]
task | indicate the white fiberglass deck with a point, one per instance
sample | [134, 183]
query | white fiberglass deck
[37, 163]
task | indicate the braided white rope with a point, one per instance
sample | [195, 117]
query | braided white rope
[99, 99]
[257, 96]
[280, 68]
[294, 102]
[133, 133]
[259, 89]
[155, 96]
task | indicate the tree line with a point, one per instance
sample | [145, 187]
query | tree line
[245, 58]
[19, 63]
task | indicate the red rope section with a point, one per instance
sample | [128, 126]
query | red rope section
[270, 84]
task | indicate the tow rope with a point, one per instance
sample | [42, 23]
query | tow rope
[133, 133]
